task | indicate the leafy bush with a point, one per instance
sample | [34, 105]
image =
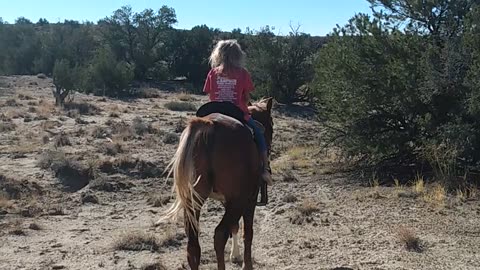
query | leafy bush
[106, 75]
[180, 106]
[64, 79]
[391, 96]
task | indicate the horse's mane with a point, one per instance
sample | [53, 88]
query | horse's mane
[263, 100]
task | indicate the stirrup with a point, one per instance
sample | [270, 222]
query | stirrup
[263, 194]
[270, 183]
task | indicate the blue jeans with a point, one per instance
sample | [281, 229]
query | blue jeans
[258, 134]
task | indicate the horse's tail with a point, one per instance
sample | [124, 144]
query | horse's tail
[184, 172]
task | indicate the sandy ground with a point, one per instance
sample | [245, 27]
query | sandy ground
[317, 218]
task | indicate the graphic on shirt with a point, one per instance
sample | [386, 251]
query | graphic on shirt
[226, 89]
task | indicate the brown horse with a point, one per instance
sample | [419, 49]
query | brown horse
[218, 158]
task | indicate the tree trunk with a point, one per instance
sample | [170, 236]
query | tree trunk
[59, 96]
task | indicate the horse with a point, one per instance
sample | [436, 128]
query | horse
[217, 158]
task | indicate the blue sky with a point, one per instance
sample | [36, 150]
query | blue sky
[317, 17]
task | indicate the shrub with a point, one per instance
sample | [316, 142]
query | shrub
[7, 126]
[180, 106]
[62, 140]
[106, 75]
[141, 127]
[83, 108]
[137, 242]
[390, 97]
[64, 79]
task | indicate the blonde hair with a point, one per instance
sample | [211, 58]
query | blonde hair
[227, 55]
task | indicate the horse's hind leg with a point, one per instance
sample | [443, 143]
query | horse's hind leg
[222, 232]
[193, 246]
[235, 254]
[248, 237]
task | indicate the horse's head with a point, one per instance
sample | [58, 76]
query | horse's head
[262, 112]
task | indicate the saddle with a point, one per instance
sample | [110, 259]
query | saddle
[230, 109]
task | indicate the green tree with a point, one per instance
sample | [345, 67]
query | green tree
[106, 76]
[139, 38]
[64, 79]
[280, 65]
[69, 40]
[189, 52]
[393, 87]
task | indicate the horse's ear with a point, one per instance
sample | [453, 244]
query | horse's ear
[269, 104]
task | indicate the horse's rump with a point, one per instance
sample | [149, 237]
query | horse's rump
[216, 154]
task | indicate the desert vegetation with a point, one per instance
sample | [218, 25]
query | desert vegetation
[375, 149]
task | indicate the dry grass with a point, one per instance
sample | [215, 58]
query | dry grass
[16, 113]
[137, 241]
[140, 127]
[25, 97]
[295, 158]
[5, 203]
[114, 111]
[45, 109]
[154, 266]
[25, 147]
[74, 114]
[49, 157]
[34, 226]
[83, 108]
[55, 210]
[148, 93]
[170, 138]
[125, 162]
[288, 176]
[16, 229]
[418, 186]
[62, 140]
[436, 195]
[308, 207]
[114, 115]
[33, 208]
[301, 156]
[180, 106]
[113, 149]
[100, 132]
[467, 193]
[375, 183]
[123, 131]
[50, 124]
[12, 102]
[151, 142]
[180, 125]
[289, 198]
[157, 200]
[186, 97]
[7, 127]
[408, 238]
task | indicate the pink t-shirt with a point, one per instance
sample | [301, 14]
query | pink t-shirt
[232, 87]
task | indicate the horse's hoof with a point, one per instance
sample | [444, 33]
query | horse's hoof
[236, 260]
